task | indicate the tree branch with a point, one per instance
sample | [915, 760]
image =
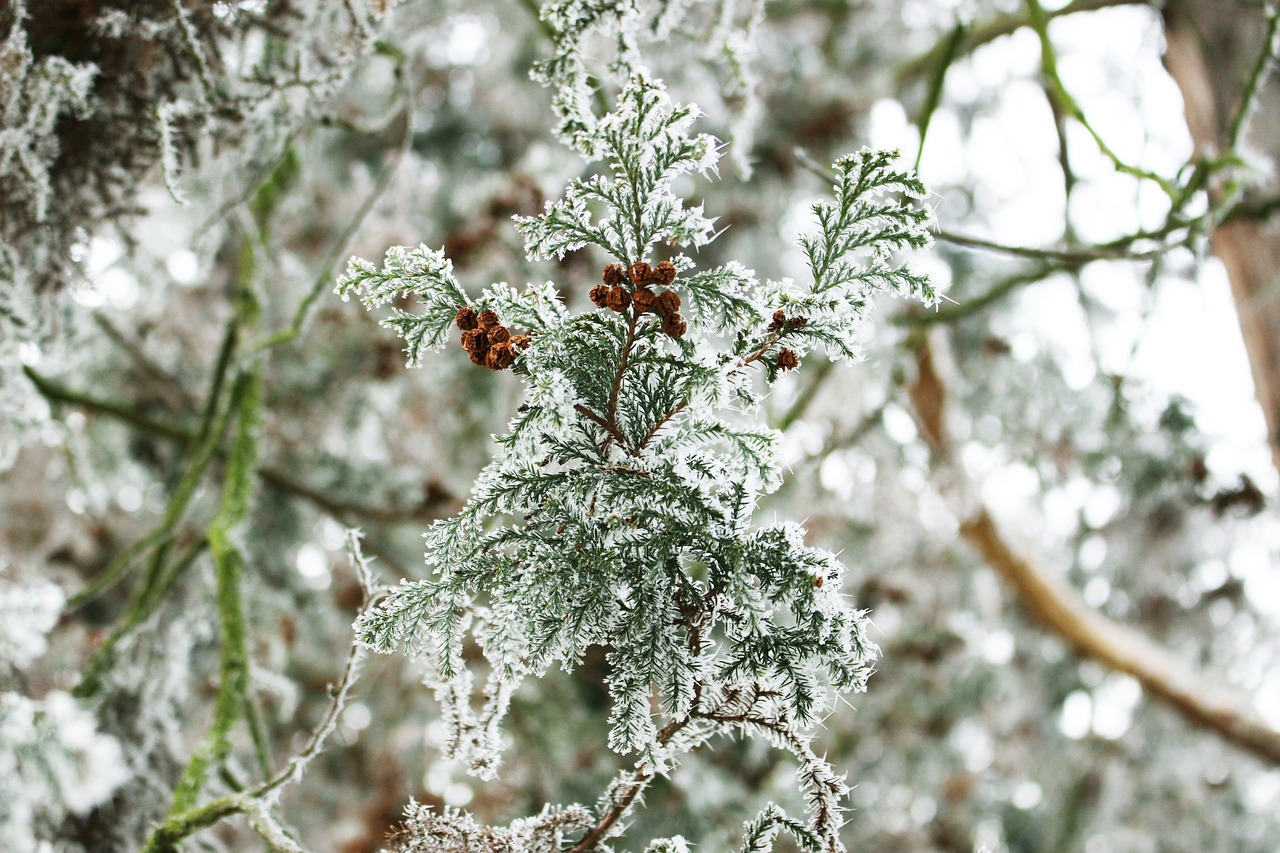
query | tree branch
[257, 802]
[1060, 608]
[1002, 25]
[274, 477]
[606, 425]
[636, 785]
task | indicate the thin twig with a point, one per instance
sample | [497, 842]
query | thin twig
[261, 798]
[1039, 20]
[274, 477]
[606, 425]
[993, 294]
[950, 51]
[806, 396]
[675, 410]
[1249, 97]
[616, 389]
[325, 277]
[639, 780]
[1112, 251]
[192, 40]
[166, 380]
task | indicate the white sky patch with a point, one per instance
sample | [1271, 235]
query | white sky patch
[313, 564]
[1113, 706]
[1097, 591]
[119, 288]
[1008, 489]
[889, 128]
[1077, 715]
[943, 162]
[998, 647]
[129, 498]
[1193, 348]
[357, 716]
[468, 41]
[836, 476]
[1093, 551]
[899, 425]
[1027, 795]
[974, 745]
[183, 265]
[1251, 562]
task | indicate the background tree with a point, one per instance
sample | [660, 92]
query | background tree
[1051, 491]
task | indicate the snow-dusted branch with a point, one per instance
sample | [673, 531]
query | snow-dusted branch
[1061, 609]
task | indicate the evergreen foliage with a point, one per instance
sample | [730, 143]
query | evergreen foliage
[618, 511]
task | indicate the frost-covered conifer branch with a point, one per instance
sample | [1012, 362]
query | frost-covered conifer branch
[454, 831]
[719, 32]
[618, 509]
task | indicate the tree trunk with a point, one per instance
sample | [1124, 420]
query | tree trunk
[1212, 50]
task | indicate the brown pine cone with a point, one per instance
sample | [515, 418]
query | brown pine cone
[788, 360]
[619, 299]
[779, 319]
[644, 299]
[639, 273]
[475, 340]
[489, 320]
[675, 326]
[799, 322]
[465, 318]
[600, 294]
[520, 343]
[665, 273]
[668, 303]
[478, 356]
[499, 356]
[614, 275]
[499, 335]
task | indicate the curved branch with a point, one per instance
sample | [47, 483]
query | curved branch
[979, 34]
[1061, 609]
[626, 793]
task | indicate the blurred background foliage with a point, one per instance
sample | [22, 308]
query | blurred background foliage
[1099, 402]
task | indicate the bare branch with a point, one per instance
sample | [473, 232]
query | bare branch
[1061, 609]
[985, 33]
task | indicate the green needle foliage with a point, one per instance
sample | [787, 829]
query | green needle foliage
[618, 511]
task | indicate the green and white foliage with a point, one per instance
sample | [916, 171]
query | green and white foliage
[420, 272]
[91, 99]
[34, 94]
[94, 97]
[618, 511]
[647, 146]
[454, 831]
[53, 760]
[720, 33]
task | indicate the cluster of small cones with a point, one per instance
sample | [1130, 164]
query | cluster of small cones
[488, 342]
[787, 359]
[615, 294]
